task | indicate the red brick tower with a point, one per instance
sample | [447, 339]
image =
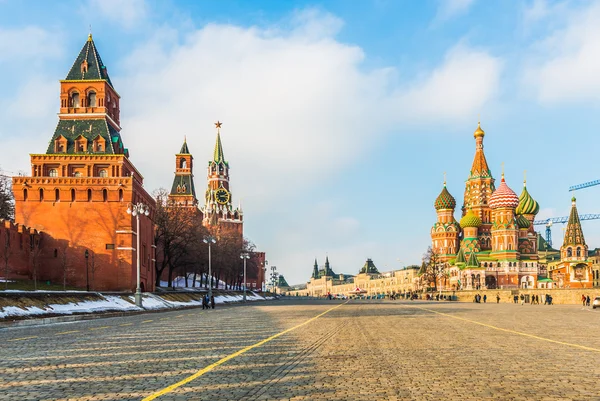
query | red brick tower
[445, 232]
[79, 190]
[183, 193]
[218, 208]
[505, 232]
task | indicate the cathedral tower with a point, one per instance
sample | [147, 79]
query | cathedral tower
[445, 232]
[526, 211]
[504, 224]
[80, 189]
[183, 193]
[478, 189]
[218, 207]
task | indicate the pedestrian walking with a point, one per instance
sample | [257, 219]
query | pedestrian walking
[498, 298]
[522, 299]
[588, 300]
[203, 301]
[583, 299]
[484, 298]
[212, 301]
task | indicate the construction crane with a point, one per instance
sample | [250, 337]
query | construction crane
[584, 185]
[549, 221]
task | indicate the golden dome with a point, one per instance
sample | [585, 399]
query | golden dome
[478, 132]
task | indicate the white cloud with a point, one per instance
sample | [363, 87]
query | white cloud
[564, 66]
[125, 12]
[448, 9]
[17, 45]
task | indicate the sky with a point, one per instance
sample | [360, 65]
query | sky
[339, 118]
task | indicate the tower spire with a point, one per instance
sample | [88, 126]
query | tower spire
[574, 232]
[218, 156]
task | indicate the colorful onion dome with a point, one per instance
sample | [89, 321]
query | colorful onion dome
[527, 205]
[444, 200]
[503, 197]
[478, 132]
[470, 220]
[522, 221]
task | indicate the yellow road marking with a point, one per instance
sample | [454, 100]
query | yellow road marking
[234, 355]
[180, 316]
[126, 324]
[512, 331]
[67, 332]
[147, 321]
[22, 338]
[100, 328]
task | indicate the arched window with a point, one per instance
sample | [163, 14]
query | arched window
[105, 195]
[74, 99]
[182, 163]
[41, 194]
[103, 173]
[77, 174]
[72, 195]
[99, 147]
[56, 253]
[25, 194]
[91, 99]
[578, 251]
[89, 195]
[120, 195]
[569, 252]
[53, 173]
[57, 195]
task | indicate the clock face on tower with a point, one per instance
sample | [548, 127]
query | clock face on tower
[222, 196]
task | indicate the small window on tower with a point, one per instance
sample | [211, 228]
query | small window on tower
[103, 173]
[75, 99]
[53, 173]
[183, 163]
[91, 99]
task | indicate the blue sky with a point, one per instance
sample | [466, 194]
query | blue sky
[339, 118]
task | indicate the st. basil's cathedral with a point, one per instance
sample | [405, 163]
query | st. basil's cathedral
[494, 244]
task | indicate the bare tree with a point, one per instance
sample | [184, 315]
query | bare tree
[432, 268]
[64, 262]
[94, 266]
[7, 206]
[35, 254]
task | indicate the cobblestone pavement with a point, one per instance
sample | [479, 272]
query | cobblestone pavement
[362, 350]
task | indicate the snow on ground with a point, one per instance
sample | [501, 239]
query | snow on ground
[116, 303]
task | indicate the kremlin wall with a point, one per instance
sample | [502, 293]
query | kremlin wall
[73, 213]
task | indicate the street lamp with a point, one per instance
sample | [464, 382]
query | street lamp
[274, 276]
[137, 210]
[209, 239]
[263, 285]
[245, 256]
[87, 271]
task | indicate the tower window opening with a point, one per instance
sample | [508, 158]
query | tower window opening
[25, 194]
[57, 195]
[105, 195]
[72, 195]
[41, 194]
[578, 251]
[77, 174]
[120, 195]
[53, 172]
[103, 173]
[569, 252]
[91, 99]
[89, 195]
[75, 99]
[183, 163]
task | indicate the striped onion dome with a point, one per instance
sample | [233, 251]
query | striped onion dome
[522, 221]
[503, 197]
[470, 220]
[444, 200]
[527, 205]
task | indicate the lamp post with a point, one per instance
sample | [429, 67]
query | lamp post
[263, 285]
[274, 278]
[209, 239]
[136, 210]
[245, 256]
[87, 271]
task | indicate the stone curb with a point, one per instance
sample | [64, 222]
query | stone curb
[41, 321]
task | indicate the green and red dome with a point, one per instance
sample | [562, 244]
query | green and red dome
[444, 200]
[527, 205]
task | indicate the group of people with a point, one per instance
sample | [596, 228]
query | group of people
[534, 300]
[208, 303]
[477, 298]
[586, 300]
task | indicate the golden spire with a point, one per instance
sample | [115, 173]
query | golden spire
[478, 132]
[502, 170]
[90, 34]
[185, 139]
